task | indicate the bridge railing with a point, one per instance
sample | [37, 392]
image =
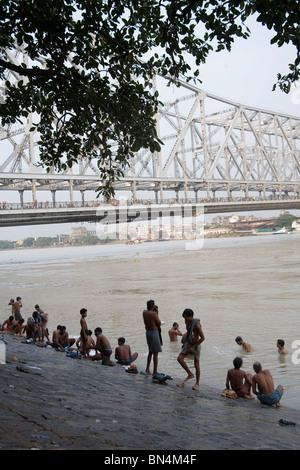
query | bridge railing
[6, 205]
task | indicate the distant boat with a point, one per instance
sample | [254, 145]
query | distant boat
[281, 231]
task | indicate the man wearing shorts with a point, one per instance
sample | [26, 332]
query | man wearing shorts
[123, 353]
[103, 348]
[192, 346]
[152, 325]
[266, 391]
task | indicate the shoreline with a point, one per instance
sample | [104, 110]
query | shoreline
[233, 234]
[53, 402]
[122, 243]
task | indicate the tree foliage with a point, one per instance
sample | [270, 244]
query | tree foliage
[93, 92]
[6, 245]
[45, 241]
[285, 220]
[89, 240]
[29, 241]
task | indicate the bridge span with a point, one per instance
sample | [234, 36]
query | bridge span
[212, 148]
[114, 214]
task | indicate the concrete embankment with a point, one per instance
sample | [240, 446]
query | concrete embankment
[49, 401]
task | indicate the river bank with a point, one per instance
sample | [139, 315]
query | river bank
[49, 401]
[244, 286]
[208, 234]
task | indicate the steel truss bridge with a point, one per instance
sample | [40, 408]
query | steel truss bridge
[216, 152]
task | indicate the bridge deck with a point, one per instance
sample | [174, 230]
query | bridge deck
[109, 214]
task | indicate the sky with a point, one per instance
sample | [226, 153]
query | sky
[248, 72]
[245, 75]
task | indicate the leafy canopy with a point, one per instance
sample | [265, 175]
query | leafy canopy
[92, 91]
[285, 220]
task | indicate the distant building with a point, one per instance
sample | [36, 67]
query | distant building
[221, 219]
[78, 233]
[63, 239]
[234, 219]
[216, 231]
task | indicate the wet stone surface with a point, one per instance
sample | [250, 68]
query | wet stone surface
[49, 402]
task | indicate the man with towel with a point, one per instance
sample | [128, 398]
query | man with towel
[194, 337]
[152, 325]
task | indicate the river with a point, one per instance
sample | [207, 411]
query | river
[246, 286]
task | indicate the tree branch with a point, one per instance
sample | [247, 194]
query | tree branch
[28, 72]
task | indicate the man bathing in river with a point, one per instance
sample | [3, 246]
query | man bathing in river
[280, 346]
[174, 332]
[246, 346]
[194, 337]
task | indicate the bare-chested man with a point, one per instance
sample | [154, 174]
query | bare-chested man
[12, 303]
[123, 353]
[16, 308]
[44, 322]
[280, 345]
[83, 333]
[174, 332]
[62, 339]
[11, 325]
[103, 346]
[239, 380]
[194, 337]
[90, 343]
[246, 346]
[266, 391]
[152, 325]
[54, 333]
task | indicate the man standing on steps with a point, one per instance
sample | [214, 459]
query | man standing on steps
[194, 337]
[16, 308]
[152, 325]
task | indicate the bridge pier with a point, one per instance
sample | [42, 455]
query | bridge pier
[82, 197]
[229, 192]
[21, 193]
[161, 194]
[207, 191]
[71, 192]
[53, 192]
[133, 190]
[34, 196]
